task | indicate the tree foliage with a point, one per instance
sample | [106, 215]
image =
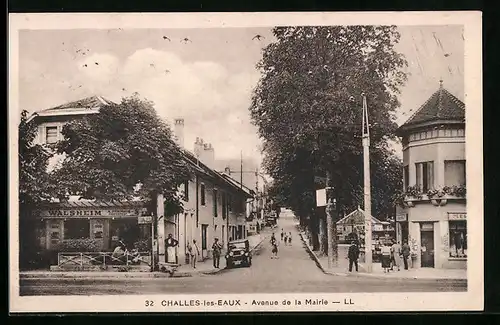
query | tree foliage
[33, 162]
[108, 154]
[307, 107]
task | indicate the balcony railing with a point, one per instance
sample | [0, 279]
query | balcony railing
[436, 196]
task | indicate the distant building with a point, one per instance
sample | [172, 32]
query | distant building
[433, 216]
[352, 226]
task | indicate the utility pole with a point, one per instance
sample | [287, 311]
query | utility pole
[331, 233]
[367, 194]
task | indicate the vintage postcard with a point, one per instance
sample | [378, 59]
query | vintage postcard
[245, 162]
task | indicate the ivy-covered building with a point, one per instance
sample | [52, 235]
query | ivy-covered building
[432, 212]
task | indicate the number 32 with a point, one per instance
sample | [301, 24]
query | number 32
[149, 303]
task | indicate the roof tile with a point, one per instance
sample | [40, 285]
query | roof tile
[442, 105]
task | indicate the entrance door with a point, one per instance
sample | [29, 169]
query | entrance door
[204, 239]
[427, 244]
[404, 232]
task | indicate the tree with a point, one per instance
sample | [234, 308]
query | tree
[308, 100]
[33, 185]
[125, 151]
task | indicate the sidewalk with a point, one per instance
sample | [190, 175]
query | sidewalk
[342, 267]
[205, 267]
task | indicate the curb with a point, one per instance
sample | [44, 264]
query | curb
[369, 275]
[114, 275]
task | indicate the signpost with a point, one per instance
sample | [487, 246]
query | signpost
[321, 198]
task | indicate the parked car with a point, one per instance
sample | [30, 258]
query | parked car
[238, 253]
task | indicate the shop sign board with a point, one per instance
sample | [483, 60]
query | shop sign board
[402, 217]
[321, 198]
[144, 220]
[64, 213]
[457, 216]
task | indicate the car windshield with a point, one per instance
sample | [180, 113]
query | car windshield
[241, 245]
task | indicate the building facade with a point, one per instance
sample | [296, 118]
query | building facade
[213, 205]
[433, 212]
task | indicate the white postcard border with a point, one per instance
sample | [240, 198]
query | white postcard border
[412, 301]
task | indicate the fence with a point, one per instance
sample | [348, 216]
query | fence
[103, 259]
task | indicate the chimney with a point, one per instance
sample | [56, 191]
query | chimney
[209, 155]
[198, 148]
[179, 131]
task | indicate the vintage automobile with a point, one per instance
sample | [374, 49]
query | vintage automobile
[238, 253]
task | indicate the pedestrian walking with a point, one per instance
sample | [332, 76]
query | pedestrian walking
[285, 239]
[273, 238]
[353, 255]
[405, 252]
[386, 257]
[171, 243]
[275, 249]
[290, 238]
[194, 253]
[282, 234]
[396, 250]
[216, 251]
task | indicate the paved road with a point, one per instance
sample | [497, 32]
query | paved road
[294, 271]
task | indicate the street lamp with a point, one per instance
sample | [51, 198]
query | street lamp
[367, 194]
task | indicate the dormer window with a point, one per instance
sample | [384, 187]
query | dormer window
[51, 134]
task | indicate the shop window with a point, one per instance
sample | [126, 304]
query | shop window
[98, 230]
[425, 175]
[458, 238]
[76, 228]
[127, 230]
[202, 194]
[51, 134]
[55, 232]
[454, 172]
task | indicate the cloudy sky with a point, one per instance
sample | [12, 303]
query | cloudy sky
[206, 79]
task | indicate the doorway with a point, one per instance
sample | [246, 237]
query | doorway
[204, 240]
[427, 244]
[404, 232]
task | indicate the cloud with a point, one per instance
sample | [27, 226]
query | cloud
[213, 101]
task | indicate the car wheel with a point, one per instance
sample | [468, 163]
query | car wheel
[249, 263]
[229, 265]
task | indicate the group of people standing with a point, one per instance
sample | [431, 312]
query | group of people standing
[392, 255]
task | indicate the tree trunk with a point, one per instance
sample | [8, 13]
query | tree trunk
[323, 236]
[331, 219]
[313, 228]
